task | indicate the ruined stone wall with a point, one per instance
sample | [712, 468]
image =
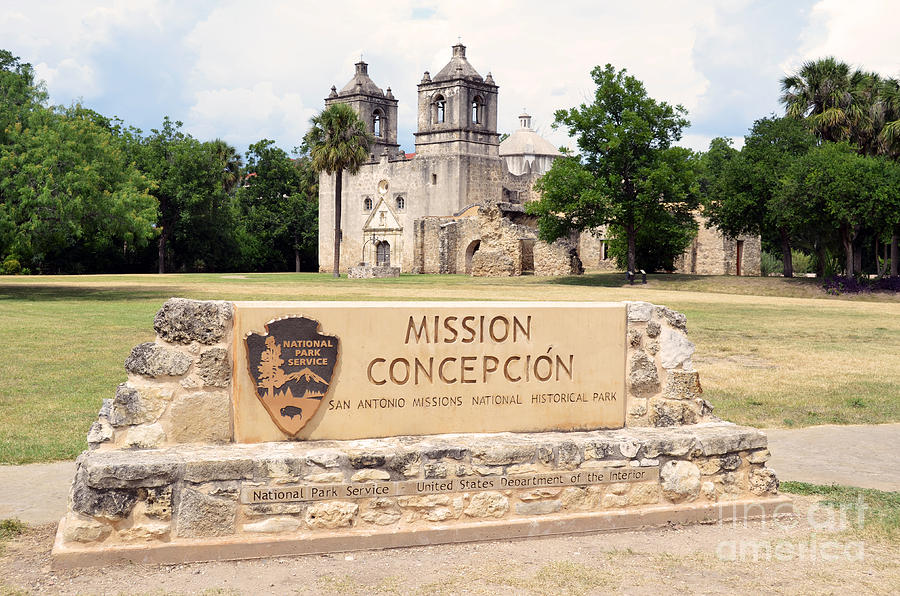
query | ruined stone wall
[558, 258]
[500, 254]
[713, 253]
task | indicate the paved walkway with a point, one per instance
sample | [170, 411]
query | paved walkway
[867, 456]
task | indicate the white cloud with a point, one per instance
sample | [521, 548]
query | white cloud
[863, 34]
[69, 78]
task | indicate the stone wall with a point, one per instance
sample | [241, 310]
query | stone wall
[558, 258]
[713, 253]
[178, 494]
[178, 387]
[663, 387]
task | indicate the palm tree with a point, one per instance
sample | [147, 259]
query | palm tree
[830, 95]
[338, 141]
[231, 163]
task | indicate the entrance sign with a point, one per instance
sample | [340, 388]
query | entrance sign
[325, 370]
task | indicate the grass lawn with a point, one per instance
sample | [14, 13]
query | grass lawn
[771, 352]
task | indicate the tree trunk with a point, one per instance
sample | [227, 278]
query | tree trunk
[630, 233]
[161, 244]
[296, 261]
[337, 223]
[820, 259]
[786, 258]
[847, 243]
[895, 255]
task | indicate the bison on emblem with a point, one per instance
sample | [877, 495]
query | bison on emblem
[291, 365]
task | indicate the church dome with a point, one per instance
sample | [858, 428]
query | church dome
[527, 151]
[361, 83]
[458, 67]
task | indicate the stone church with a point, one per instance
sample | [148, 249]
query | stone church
[456, 205]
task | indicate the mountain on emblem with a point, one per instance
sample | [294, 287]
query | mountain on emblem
[291, 365]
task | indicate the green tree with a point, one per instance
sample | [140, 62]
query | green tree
[740, 188]
[69, 196]
[628, 175]
[19, 92]
[830, 95]
[279, 207]
[338, 141]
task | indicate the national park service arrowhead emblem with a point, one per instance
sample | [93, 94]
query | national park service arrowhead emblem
[291, 367]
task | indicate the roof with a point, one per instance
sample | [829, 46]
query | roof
[361, 83]
[458, 67]
[527, 142]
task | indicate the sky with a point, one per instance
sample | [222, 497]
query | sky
[243, 71]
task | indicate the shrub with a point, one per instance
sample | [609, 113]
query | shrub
[803, 263]
[844, 284]
[889, 284]
[10, 266]
[769, 264]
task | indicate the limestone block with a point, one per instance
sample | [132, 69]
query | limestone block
[614, 501]
[732, 461]
[134, 405]
[147, 531]
[274, 525]
[487, 504]
[202, 516]
[653, 329]
[370, 476]
[710, 466]
[324, 458]
[106, 503]
[666, 412]
[77, 528]
[200, 417]
[619, 488]
[570, 455]
[524, 469]
[184, 321]
[423, 501]
[539, 494]
[101, 431]
[645, 493]
[503, 454]
[763, 481]
[682, 384]
[273, 509]
[331, 514]
[213, 367]
[221, 467]
[545, 454]
[640, 312]
[144, 436]
[366, 459]
[406, 464]
[629, 449]
[153, 360]
[634, 338]
[538, 507]
[676, 444]
[326, 478]
[674, 318]
[680, 480]
[157, 502]
[720, 439]
[381, 512]
[708, 490]
[581, 497]
[759, 456]
[675, 349]
[642, 376]
[127, 469]
[638, 408]
[435, 470]
[492, 263]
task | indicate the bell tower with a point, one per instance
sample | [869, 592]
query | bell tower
[457, 110]
[376, 108]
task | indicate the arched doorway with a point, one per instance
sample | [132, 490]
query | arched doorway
[470, 252]
[383, 254]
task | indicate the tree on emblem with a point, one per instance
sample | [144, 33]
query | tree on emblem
[271, 374]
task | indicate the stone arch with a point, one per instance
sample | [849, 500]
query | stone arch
[378, 123]
[439, 109]
[470, 252]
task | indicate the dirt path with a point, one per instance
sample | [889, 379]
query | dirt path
[710, 559]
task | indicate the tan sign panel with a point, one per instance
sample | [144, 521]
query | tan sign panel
[389, 369]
